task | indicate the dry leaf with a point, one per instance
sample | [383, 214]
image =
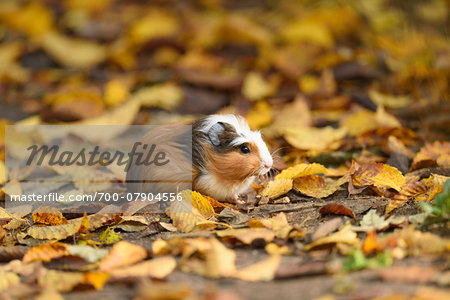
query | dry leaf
[315, 140]
[122, 254]
[48, 215]
[255, 87]
[166, 96]
[155, 24]
[278, 224]
[8, 280]
[158, 268]
[96, 279]
[345, 236]
[260, 271]
[260, 115]
[317, 187]
[301, 170]
[337, 209]
[436, 153]
[412, 188]
[57, 232]
[46, 252]
[73, 52]
[379, 175]
[277, 188]
[60, 281]
[247, 235]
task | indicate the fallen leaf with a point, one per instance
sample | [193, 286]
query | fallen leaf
[317, 187]
[260, 271]
[96, 279]
[60, 281]
[373, 222]
[73, 52]
[46, 252]
[48, 215]
[246, 235]
[300, 170]
[88, 253]
[277, 188]
[57, 232]
[436, 153]
[255, 87]
[122, 254]
[379, 175]
[8, 280]
[315, 140]
[156, 23]
[166, 96]
[337, 209]
[278, 224]
[158, 268]
[412, 188]
[408, 274]
[345, 236]
[260, 115]
[389, 101]
[109, 237]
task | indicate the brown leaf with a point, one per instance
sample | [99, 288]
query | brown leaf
[436, 153]
[412, 188]
[122, 254]
[379, 175]
[260, 271]
[46, 252]
[247, 235]
[8, 253]
[48, 215]
[158, 268]
[345, 236]
[337, 209]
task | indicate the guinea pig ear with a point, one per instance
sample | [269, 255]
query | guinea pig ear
[215, 132]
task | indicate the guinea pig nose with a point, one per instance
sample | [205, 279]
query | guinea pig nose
[268, 165]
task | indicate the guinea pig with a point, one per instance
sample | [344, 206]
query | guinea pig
[226, 158]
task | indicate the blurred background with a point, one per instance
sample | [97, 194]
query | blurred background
[74, 60]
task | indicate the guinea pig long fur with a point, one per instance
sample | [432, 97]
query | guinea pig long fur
[226, 158]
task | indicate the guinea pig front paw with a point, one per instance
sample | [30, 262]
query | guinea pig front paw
[237, 200]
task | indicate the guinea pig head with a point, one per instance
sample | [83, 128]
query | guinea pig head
[234, 152]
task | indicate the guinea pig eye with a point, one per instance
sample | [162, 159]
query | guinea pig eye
[244, 149]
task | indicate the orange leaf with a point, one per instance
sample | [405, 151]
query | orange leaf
[337, 209]
[436, 153]
[48, 215]
[412, 188]
[46, 252]
[379, 175]
[122, 254]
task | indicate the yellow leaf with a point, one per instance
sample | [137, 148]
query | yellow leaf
[260, 271]
[155, 24]
[247, 235]
[2, 173]
[274, 249]
[60, 281]
[309, 84]
[385, 120]
[379, 175]
[300, 170]
[10, 69]
[277, 188]
[315, 186]
[166, 96]
[345, 236]
[215, 260]
[316, 140]
[389, 101]
[309, 32]
[33, 19]
[8, 280]
[122, 254]
[116, 92]
[158, 268]
[73, 52]
[359, 122]
[278, 224]
[46, 252]
[255, 87]
[201, 203]
[186, 217]
[57, 232]
[260, 115]
[96, 279]
[88, 5]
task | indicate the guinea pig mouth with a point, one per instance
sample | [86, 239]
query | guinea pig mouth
[263, 170]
